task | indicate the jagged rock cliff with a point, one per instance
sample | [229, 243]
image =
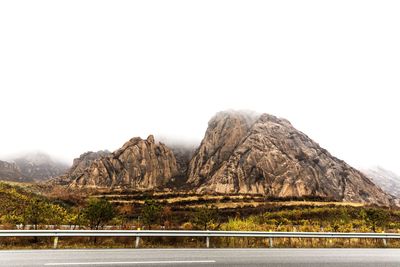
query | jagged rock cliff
[139, 165]
[263, 154]
[225, 132]
[84, 161]
[79, 166]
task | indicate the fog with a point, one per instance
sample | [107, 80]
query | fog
[89, 75]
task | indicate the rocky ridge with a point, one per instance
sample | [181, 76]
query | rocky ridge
[84, 161]
[138, 165]
[79, 166]
[241, 153]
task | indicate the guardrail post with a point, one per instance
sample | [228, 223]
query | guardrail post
[55, 244]
[384, 241]
[271, 243]
[137, 242]
[207, 241]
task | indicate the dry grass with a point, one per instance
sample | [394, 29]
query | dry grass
[188, 242]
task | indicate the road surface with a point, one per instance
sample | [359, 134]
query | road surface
[203, 257]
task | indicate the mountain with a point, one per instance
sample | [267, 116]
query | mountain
[79, 166]
[249, 153]
[9, 171]
[387, 180]
[84, 161]
[39, 166]
[139, 165]
[242, 152]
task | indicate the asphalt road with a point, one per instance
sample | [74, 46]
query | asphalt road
[203, 257]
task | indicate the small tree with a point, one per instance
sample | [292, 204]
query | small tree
[166, 215]
[375, 217]
[57, 215]
[206, 216]
[75, 218]
[151, 213]
[36, 213]
[98, 213]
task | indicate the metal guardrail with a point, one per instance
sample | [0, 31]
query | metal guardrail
[206, 234]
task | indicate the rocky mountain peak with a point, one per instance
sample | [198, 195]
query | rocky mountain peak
[267, 118]
[150, 139]
[139, 164]
[267, 155]
[225, 131]
[84, 161]
[241, 152]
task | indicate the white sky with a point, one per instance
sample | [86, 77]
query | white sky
[89, 75]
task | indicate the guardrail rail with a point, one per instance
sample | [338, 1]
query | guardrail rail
[171, 233]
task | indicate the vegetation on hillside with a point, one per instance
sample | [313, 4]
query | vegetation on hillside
[24, 209]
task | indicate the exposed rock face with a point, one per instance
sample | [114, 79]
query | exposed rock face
[240, 153]
[84, 161]
[39, 166]
[139, 164]
[79, 166]
[10, 172]
[387, 180]
[263, 154]
[225, 132]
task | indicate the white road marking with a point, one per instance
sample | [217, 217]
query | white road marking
[123, 263]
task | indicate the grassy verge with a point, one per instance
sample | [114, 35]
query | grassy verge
[166, 242]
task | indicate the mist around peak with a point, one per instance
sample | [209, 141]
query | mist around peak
[386, 179]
